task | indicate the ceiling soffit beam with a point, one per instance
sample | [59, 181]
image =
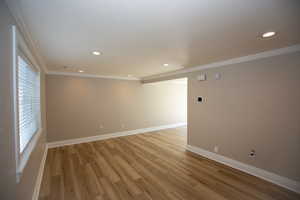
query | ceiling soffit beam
[252, 57]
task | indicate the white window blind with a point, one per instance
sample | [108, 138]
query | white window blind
[28, 89]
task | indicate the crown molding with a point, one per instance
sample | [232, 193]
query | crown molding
[252, 57]
[16, 12]
[91, 75]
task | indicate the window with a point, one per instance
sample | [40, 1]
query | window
[26, 95]
[28, 98]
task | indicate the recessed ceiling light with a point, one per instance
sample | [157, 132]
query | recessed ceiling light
[268, 34]
[80, 71]
[166, 64]
[96, 53]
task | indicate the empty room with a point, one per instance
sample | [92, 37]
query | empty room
[149, 100]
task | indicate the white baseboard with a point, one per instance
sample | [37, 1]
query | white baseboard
[111, 135]
[39, 178]
[268, 176]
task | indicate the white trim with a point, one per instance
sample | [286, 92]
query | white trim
[24, 157]
[15, 99]
[91, 75]
[111, 135]
[268, 176]
[252, 57]
[39, 178]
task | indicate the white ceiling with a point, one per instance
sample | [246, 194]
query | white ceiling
[138, 36]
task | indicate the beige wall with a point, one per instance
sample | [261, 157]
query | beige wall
[9, 189]
[7, 162]
[77, 106]
[28, 179]
[255, 105]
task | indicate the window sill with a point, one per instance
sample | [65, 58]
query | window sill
[23, 159]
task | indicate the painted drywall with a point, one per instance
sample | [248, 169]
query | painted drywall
[78, 106]
[9, 188]
[255, 105]
[7, 164]
[25, 187]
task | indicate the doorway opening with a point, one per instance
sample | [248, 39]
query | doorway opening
[175, 109]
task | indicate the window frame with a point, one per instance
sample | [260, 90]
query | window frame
[20, 49]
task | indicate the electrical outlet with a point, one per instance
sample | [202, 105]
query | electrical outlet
[216, 149]
[252, 153]
[100, 127]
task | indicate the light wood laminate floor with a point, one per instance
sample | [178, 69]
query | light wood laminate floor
[149, 166]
